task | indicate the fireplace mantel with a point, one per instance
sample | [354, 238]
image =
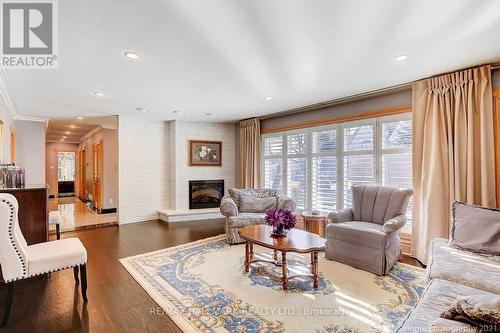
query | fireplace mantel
[170, 215]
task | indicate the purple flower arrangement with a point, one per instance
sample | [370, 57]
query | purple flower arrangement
[281, 220]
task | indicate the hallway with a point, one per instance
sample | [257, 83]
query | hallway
[76, 215]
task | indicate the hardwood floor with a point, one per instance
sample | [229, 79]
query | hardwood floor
[76, 215]
[116, 301]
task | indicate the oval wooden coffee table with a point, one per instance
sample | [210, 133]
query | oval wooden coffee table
[296, 240]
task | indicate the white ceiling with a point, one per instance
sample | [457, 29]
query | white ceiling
[226, 56]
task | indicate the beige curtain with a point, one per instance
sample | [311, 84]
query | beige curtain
[453, 153]
[250, 153]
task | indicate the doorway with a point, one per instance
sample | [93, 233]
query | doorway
[97, 198]
[81, 174]
[66, 170]
[82, 160]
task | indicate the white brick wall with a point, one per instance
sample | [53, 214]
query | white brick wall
[184, 131]
[154, 167]
[143, 164]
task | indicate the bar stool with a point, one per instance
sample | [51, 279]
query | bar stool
[55, 218]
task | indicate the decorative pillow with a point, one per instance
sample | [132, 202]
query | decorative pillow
[236, 194]
[480, 311]
[476, 228]
[250, 204]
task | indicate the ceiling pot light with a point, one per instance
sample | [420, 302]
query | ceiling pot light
[98, 93]
[61, 140]
[79, 118]
[178, 112]
[72, 126]
[268, 98]
[131, 55]
[210, 114]
[401, 58]
[142, 110]
[67, 132]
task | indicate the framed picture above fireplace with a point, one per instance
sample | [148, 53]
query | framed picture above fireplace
[205, 153]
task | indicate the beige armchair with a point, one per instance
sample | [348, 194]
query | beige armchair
[366, 236]
[247, 207]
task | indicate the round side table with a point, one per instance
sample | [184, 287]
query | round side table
[315, 223]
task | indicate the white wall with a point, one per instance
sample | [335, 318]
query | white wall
[143, 168]
[154, 170]
[180, 171]
[30, 149]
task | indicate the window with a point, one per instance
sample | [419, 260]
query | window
[273, 163]
[396, 153]
[66, 166]
[359, 153]
[324, 169]
[317, 166]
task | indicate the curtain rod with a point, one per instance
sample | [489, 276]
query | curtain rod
[350, 98]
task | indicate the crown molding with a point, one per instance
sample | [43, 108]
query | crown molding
[7, 94]
[89, 134]
[62, 142]
[29, 118]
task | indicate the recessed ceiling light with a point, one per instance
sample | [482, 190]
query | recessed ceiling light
[79, 118]
[178, 112]
[61, 140]
[131, 55]
[72, 126]
[67, 132]
[210, 114]
[64, 136]
[98, 93]
[142, 110]
[268, 98]
[401, 58]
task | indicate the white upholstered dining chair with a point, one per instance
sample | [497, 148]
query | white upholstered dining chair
[20, 261]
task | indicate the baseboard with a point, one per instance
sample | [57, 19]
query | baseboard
[405, 244]
[105, 210]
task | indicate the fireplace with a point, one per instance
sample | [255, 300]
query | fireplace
[205, 193]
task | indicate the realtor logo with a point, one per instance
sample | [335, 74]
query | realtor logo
[29, 34]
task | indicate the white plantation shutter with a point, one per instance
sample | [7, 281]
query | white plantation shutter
[396, 156]
[273, 163]
[359, 157]
[324, 191]
[273, 174]
[273, 146]
[357, 170]
[296, 143]
[317, 166]
[297, 181]
[324, 170]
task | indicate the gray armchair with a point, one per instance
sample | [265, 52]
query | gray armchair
[366, 236]
[246, 207]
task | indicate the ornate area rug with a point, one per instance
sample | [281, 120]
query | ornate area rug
[203, 288]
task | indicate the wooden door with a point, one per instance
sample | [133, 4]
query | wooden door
[97, 193]
[82, 178]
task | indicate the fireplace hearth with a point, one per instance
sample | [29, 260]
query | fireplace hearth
[205, 193]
